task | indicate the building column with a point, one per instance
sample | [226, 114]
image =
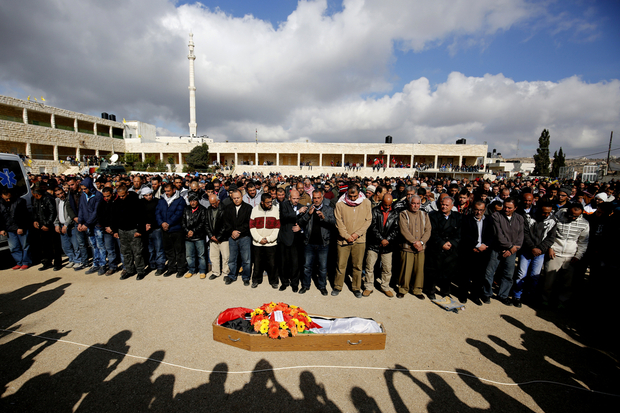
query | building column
[142, 156]
[387, 163]
[53, 121]
[75, 125]
[460, 160]
[55, 152]
[180, 158]
[411, 163]
[28, 149]
[110, 132]
[365, 160]
[95, 128]
[342, 163]
[236, 159]
[255, 158]
[298, 158]
[161, 157]
[97, 152]
[436, 166]
[320, 159]
[218, 158]
[77, 154]
[25, 116]
[277, 159]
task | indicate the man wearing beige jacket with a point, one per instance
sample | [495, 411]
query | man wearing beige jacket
[415, 227]
[353, 217]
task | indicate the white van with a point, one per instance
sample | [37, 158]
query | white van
[13, 176]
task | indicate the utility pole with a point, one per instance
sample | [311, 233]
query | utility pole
[609, 150]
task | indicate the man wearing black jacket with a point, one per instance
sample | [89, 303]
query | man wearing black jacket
[218, 239]
[442, 250]
[474, 251]
[237, 219]
[290, 240]
[14, 224]
[156, 255]
[381, 242]
[194, 228]
[104, 221]
[128, 226]
[44, 208]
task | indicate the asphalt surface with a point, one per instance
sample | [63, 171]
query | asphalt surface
[132, 346]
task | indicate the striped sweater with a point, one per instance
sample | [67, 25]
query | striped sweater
[571, 237]
[265, 224]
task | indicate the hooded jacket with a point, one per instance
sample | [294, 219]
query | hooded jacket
[571, 236]
[170, 210]
[538, 234]
[14, 215]
[195, 221]
[87, 214]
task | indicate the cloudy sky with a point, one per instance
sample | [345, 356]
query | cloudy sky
[496, 71]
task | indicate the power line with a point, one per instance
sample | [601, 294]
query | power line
[597, 153]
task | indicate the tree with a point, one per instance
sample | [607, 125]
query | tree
[198, 158]
[541, 159]
[559, 161]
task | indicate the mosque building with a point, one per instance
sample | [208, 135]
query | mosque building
[49, 135]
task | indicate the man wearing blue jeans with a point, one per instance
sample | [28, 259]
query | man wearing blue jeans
[318, 222]
[14, 224]
[508, 230]
[65, 226]
[104, 233]
[87, 224]
[157, 258]
[538, 237]
[237, 219]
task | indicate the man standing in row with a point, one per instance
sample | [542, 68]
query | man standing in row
[353, 217]
[128, 226]
[169, 214]
[218, 239]
[264, 228]
[237, 219]
[415, 227]
[14, 224]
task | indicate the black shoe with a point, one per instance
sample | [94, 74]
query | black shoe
[180, 274]
[228, 280]
[463, 299]
[323, 291]
[486, 300]
[357, 294]
[421, 296]
[159, 272]
[516, 302]
[213, 277]
[274, 286]
[505, 301]
[254, 285]
[476, 300]
[168, 273]
[282, 287]
[303, 290]
[400, 295]
[45, 267]
[430, 296]
[295, 289]
[141, 276]
[246, 283]
[127, 275]
[335, 292]
[57, 268]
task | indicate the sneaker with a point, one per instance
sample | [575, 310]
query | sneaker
[24, 267]
[92, 270]
[188, 275]
[78, 267]
[335, 292]
[102, 271]
[357, 294]
[70, 264]
[303, 290]
[17, 267]
[203, 276]
[323, 291]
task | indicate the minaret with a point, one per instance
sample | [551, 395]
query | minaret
[192, 88]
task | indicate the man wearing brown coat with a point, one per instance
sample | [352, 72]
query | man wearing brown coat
[353, 217]
[415, 227]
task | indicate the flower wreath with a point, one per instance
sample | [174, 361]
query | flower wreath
[281, 320]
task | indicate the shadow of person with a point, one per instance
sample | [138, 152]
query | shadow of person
[263, 393]
[13, 358]
[64, 389]
[363, 402]
[545, 356]
[212, 394]
[17, 304]
[20, 303]
[315, 397]
[131, 390]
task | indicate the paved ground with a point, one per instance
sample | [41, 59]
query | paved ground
[433, 361]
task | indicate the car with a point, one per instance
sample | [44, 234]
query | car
[112, 170]
[13, 176]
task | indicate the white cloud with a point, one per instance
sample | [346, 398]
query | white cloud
[304, 79]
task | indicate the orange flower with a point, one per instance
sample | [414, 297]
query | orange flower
[283, 333]
[274, 331]
[293, 330]
[257, 327]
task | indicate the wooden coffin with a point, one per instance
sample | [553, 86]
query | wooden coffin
[301, 342]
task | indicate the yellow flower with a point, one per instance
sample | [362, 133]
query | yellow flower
[264, 327]
[309, 319]
[301, 328]
[258, 311]
[283, 325]
[293, 306]
[272, 304]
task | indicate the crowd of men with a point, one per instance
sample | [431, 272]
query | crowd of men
[522, 240]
